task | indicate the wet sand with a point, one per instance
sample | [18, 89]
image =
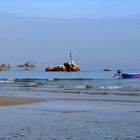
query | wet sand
[70, 117]
[8, 101]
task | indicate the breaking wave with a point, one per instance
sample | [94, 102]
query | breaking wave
[72, 85]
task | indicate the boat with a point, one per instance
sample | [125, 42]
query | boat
[106, 69]
[130, 75]
[119, 74]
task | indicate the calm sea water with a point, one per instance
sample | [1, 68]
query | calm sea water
[98, 108]
[87, 82]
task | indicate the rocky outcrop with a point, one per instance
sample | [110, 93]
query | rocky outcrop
[26, 66]
[70, 66]
[4, 67]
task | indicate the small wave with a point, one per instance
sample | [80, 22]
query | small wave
[118, 88]
[48, 79]
[51, 79]
[87, 85]
[84, 87]
[70, 79]
[6, 81]
[110, 87]
[32, 84]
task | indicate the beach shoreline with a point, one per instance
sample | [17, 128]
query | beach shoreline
[49, 116]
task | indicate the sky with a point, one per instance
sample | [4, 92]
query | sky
[73, 8]
[100, 33]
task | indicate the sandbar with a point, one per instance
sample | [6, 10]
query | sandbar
[9, 101]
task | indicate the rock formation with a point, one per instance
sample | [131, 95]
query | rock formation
[26, 66]
[70, 66]
[4, 67]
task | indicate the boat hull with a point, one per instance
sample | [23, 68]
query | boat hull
[130, 75]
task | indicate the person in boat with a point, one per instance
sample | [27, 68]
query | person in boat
[119, 74]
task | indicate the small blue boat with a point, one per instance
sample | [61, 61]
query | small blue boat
[130, 75]
[119, 74]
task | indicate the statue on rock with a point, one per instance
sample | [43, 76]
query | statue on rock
[69, 66]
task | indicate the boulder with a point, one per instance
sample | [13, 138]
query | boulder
[56, 68]
[70, 66]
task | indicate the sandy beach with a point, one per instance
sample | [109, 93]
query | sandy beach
[9, 101]
[68, 116]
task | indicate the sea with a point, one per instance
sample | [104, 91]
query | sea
[85, 105]
[84, 82]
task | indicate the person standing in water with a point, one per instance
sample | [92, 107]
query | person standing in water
[119, 74]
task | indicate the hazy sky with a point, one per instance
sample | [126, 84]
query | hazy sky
[73, 8]
[100, 33]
